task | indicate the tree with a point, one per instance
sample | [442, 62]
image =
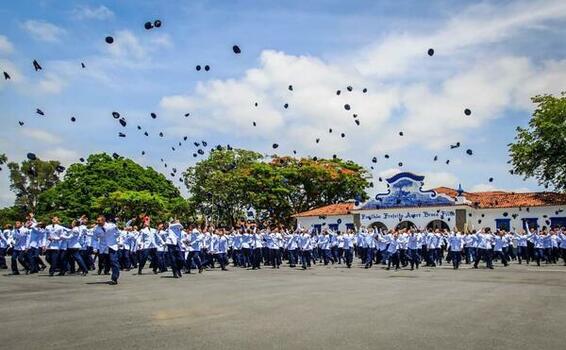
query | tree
[103, 175]
[539, 151]
[230, 182]
[217, 184]
[30, 178]
[129, 204]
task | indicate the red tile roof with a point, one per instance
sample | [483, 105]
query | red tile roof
[501, 199]
[332, 209]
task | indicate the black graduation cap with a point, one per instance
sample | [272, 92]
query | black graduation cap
[145, 133]
[491, 179]
[198, 67]
[160, 134]
[374, 160]
[228, 147]
[180, 144]
[479, 221]
[294, 152]
[165, 165]
[153, 115]
[82, 159]
[467, 111]
[400, 164]
[157, 23]
[338, 92]
[334, 156]
[275, 145]
[456, 145]
[148, 25]
[116, 115]
[139, 127]
[194, 154]
[254, 123]
[236, 49]
[21, 123]
[315, 158]
[357, 122]
[187, 114]
[400, 133]
[39, 111]
[447, 161]
[349, 88]
[200, 151]
[83, 65]
[255, 104]
[31, 156]
[109, 39]
[143, 153]
[180, 179]
[73, 119]
[207, 68]
[347, 107]
[343, 134]
[365, 90]
[196, 144]
[123, 122]
[172, 148]
[469, 152]
[317, 140]
[121, 134]
[6, 75]
[286, 105]
[185, 138]
[430, 52]
[387, 156]
[115, 155]
[36, 66]
[330, 130]
[60, 168]
[290, 88]
[435, 158]
[380, 179]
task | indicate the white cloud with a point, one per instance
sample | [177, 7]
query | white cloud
[438, 179]
[6, 46]
[86, 12]
[40, 135]
[64, 155]
[51, 84]
[490, 187]
[43, 30]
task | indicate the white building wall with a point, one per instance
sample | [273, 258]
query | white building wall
[421, 217]
[308, 221]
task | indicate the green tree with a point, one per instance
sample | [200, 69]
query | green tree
[217, 184]
[539, 151]
[129, 204]
[102, 175]
[230, 182]
[30, 178]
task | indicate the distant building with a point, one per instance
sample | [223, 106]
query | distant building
[406, 204]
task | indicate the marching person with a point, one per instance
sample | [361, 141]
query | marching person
[108, 234]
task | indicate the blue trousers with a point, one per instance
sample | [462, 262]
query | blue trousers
[292, 257]
[348, 256]
[306, 256]
[53, 256]
[18, 256]
[177, 260]
[3, 258]
[115, 265]
[414, 257]
[369, 257]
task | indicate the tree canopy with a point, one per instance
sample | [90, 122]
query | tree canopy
[539, 151]
[109, 186]
[31, 178]
[232, 181]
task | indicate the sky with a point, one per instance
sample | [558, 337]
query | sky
[489, 57]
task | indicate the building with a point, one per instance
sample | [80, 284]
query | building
[406, 204]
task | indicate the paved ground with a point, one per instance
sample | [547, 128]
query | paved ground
[519, 307]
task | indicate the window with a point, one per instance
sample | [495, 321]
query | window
[333, 227]
[317, 228]
[503, 224]
[350, 227]
[558, 222]
[530, 223]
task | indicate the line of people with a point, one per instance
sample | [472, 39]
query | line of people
[110, 248]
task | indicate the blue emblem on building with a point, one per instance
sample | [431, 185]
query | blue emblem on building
[405, 190]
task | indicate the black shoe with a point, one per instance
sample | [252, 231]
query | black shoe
[84, 273]
[99, 271]
[15, 273]
[113, 283]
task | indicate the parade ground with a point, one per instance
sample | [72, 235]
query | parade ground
[518, 307]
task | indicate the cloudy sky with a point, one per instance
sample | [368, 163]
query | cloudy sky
[490, 57]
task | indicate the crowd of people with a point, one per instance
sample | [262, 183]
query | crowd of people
[111, 247]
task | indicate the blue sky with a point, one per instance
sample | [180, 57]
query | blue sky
[489, 57]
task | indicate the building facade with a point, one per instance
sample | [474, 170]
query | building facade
[406, 204]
